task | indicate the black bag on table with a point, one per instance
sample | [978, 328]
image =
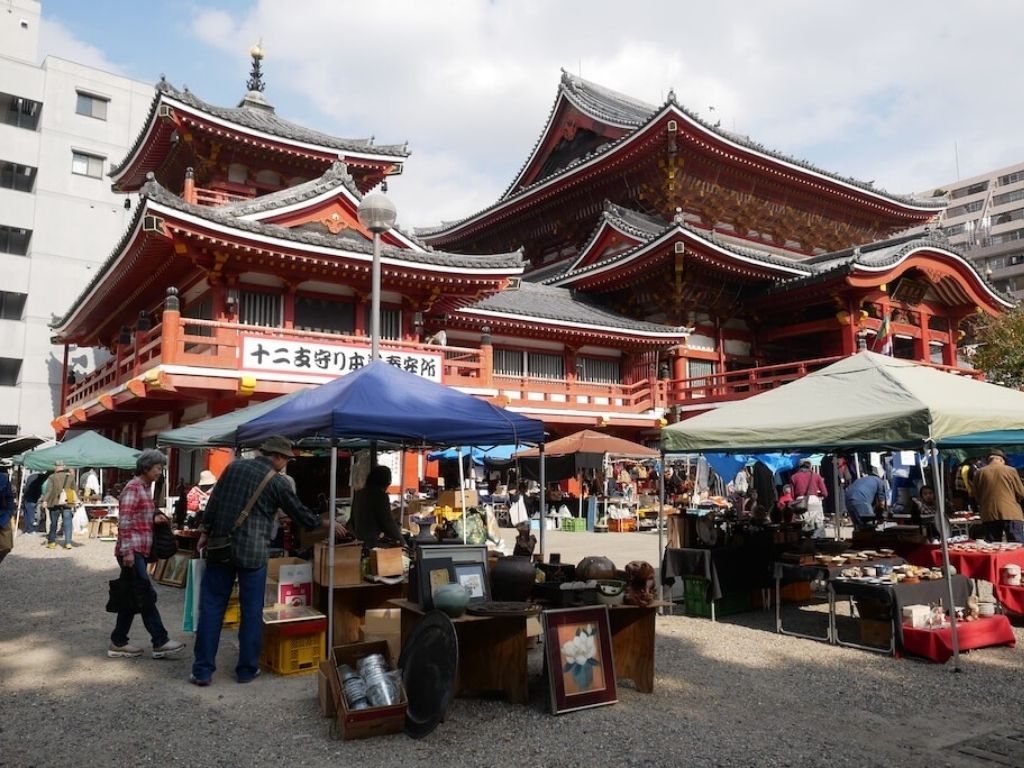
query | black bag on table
[129, 593]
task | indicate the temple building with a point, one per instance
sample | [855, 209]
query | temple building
[642, 266]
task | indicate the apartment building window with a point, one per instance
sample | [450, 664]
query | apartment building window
[1006, 218]
[260, 309]
[19, 112]
[14, 240]
[960, 210]
[10, 369]
[1006, 237]
[83, 164]
[1008, 197]
[1010, 178]
[92, 106]
[973, 189]
[21, 178]
[325, 315]
[956, 229]
[12, 305]
[598, 371]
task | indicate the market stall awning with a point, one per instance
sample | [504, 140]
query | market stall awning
[864, 401]
[89, 449]
[12, 446]
[592, 441]
[220, 431]
[480, 455]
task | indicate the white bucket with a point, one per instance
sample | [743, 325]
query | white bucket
[1011, 575]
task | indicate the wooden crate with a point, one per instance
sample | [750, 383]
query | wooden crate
[623, 525]
[374, 721]
[347, 564]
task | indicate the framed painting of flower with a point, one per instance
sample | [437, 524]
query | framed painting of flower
[581, 666]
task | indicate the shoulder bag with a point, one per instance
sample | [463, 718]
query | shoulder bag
[218, 548]
[164, 543]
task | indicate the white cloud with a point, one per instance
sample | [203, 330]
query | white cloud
[57, 40]
[876, 90]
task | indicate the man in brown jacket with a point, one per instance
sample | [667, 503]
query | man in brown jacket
[55, 501]
[999, 491]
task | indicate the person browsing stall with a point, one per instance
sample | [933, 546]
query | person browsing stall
[371, 509]
[999, 491]
[136, 516]
[810, 485]
[257, 484]
[863, 497]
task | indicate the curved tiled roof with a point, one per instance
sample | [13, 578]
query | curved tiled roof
[544, 302]
[648, 229]
[257, 115]
[603, 103]
[335, 176]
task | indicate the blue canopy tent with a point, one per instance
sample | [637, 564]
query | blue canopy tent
[479, 455]
[383, 402]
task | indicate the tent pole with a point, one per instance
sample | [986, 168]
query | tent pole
[543, 502]
[462, 494]
[661, 523]
[401, 488]
[836, 514]
[332, 503]
[940, 495]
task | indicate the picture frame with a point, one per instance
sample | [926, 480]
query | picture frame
[580, 661]
[432, 574]
[156, 569]
[457, 553]
[175, 571]
[473, 576]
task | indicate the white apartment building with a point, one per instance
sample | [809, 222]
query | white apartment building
[62, 125]
[985, 218]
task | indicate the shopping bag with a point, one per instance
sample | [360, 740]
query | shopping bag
[80, 520]
[193, 585]
[517, 512]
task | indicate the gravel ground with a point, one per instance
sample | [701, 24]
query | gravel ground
[731, 693]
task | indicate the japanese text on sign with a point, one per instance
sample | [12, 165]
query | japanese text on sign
[329, 359]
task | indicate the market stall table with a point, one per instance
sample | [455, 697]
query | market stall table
[728, 570]
[352, 601]
[987, 564]
[937, 644]
[492, 650]
[895, 596]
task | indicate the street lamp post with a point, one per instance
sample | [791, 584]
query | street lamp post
[376, 213]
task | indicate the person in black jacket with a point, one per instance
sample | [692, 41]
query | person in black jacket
[30, 500]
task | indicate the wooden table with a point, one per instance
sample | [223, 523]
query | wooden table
[492, 651]
[633, 643]
[352, 601]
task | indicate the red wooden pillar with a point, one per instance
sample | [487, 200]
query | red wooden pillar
[289, 306]
[924, 351]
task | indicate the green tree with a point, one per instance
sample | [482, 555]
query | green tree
[1000, 350]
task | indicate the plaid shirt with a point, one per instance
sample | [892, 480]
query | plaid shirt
[229, 497]
[135, 513]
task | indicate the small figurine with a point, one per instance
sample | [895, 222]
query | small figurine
[973, 611]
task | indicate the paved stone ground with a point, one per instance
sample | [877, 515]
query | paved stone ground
[732, 693]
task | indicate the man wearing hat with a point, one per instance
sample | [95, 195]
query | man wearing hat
[999, 491]
[6, 510]
[59, 487]
[249, 544]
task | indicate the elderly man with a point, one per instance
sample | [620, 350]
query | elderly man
[242, 505]
[57, 493]
[999, 491]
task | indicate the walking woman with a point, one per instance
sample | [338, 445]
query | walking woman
[136, 515]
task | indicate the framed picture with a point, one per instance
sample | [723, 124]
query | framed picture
[457, 553]
[581, 667]
[473, 576]
[175, 571]
[156, 570]
[432, 574]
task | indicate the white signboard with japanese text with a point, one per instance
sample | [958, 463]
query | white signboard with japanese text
[325, 359]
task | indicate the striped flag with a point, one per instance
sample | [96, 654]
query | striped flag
[884, 337]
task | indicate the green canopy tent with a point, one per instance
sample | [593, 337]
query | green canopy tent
[865, 401]
[89, 449]
[220, 431]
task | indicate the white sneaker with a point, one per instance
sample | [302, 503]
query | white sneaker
[169, 648]
[125, 651]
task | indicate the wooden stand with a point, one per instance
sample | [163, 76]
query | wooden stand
[352, 601]
[492, 651]
[633, 643]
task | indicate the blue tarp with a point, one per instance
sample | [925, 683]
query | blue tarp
[499, 452]
[383, 402]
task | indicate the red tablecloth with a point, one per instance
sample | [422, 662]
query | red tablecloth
[937, 644]
[987, 566]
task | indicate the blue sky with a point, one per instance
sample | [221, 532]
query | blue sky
[875, 90]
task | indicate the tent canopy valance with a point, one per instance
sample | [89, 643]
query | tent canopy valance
[864, 401]
[220, 431]
[572, 454]
[89, 449]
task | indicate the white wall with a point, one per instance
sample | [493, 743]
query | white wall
[19, 29]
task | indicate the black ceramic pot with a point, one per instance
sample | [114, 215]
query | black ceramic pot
[512, 579]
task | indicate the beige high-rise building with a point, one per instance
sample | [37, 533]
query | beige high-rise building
[985, 219]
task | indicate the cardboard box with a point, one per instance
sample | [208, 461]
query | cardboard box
[347, 567]
[393, 639]
[289, 582]
[386, 561]
[453, 499]
[328, 707]
[916, 615]
[382, 620]
[874, 632]
[374, 721]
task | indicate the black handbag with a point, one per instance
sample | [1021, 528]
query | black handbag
[164, 543]
[130, 594]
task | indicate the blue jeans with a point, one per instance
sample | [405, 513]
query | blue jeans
[55, 515]
[213, 602]
[1014, 530]
[150, 617]
[861, 513]
[28, 509]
